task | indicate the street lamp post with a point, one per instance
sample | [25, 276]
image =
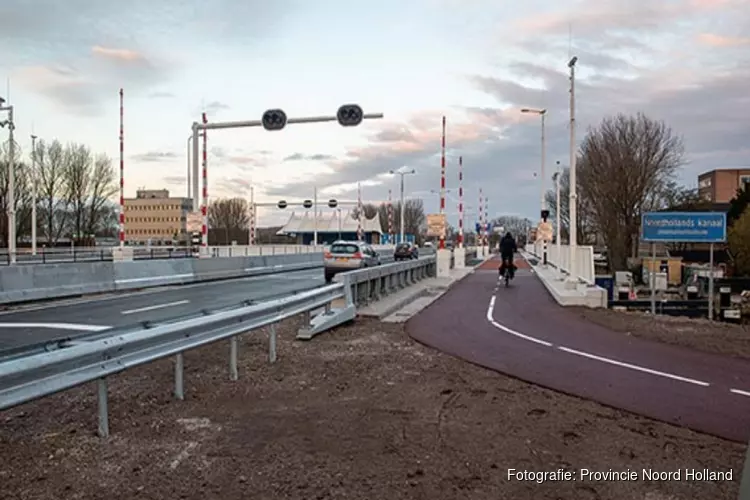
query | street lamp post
[556, 178]
[11, 181]
[573, 207]
[402, 173]
[33, 194]
[542, 113]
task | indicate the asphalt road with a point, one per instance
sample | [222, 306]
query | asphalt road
[522, 332]
[68, 319]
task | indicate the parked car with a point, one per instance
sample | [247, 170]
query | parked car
[406, 251]
[345, 256]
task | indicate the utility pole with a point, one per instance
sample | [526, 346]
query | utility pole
[573, 206]
[11, 181]
[33, 194]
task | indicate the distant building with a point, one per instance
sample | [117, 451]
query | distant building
[153, 216]
[720, 186]
[331, 227]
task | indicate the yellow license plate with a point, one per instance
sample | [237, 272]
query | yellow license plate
[343, 259]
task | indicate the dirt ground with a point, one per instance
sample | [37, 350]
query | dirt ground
[702, 334]
[359, 413]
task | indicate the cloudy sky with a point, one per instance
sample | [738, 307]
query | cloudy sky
[478, 62]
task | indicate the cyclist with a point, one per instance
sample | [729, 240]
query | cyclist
[508, 248]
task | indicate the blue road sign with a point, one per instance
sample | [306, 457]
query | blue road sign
[478, 227]
[684, 227]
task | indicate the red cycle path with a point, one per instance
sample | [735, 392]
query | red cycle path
[689, 388]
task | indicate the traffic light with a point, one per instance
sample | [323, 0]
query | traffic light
[349, 115]
[274, 119]
[282, 204]
[307, 203]
[545, 215]
[332, 203]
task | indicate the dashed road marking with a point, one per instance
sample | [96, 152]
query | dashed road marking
[58, 326]
[593, 357]
[633, 367]
[158, 306]
[740, 392]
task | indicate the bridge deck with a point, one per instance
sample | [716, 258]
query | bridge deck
[522, 332]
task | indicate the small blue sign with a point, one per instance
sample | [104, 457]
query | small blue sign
[684, 227]
[478, 227]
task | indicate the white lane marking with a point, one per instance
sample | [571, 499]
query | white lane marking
[153, 278]
[17, 309]
[158, 306]
[634, 367]
[494, 323]
[740, 392]
[58, 326]
[621, 364]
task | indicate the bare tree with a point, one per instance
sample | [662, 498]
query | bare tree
[585, 223]
[518, 226]
[101, 188]
[739, 244]
[78, 179]
[228, 220]
[624, 162]
[52, 187]
[414, 218]
[22, 198]
[369, 210]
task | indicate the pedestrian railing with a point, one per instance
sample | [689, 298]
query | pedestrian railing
[584, 259]
[371, 284]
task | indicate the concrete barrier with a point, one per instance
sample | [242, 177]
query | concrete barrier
[565, 292]
[147, 273]
[55, 281]
[28, 283]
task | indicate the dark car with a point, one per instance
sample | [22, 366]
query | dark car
[406, 251]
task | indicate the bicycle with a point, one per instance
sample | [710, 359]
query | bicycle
[507, 274]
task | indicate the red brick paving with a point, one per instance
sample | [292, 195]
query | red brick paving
[494, 264]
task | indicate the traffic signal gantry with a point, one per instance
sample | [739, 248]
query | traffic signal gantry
[348, 115]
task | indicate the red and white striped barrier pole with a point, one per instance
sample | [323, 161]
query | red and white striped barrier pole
[122, 170]
[442, 182]
[460, 202]
[204, 207]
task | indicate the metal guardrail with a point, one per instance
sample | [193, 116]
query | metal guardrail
[47, 368]
[371, 284]
[90, 255]
[31, 377]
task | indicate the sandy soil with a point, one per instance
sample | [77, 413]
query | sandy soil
[359, 413]
[702, 334]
